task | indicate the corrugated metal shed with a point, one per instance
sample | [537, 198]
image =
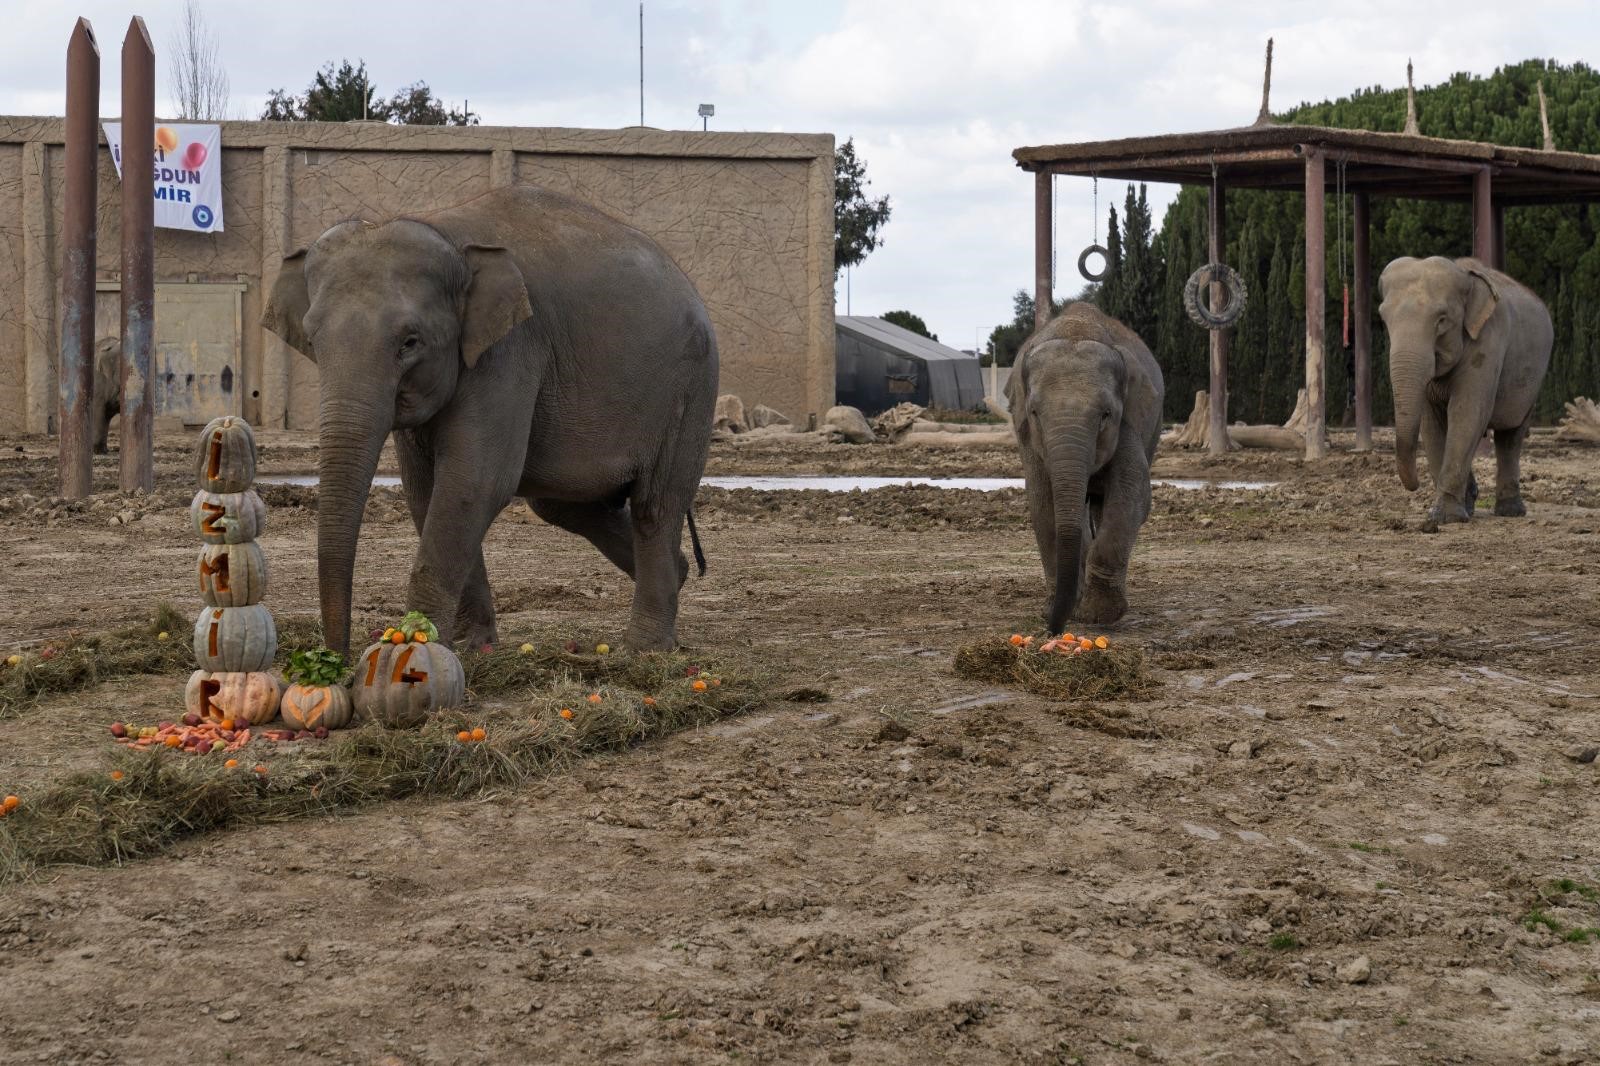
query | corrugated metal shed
[878, 364]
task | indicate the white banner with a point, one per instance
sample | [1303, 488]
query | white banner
[188, 175]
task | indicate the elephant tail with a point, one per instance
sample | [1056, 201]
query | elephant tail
[694, 539]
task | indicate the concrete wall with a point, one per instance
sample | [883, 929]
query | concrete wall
[749, 217]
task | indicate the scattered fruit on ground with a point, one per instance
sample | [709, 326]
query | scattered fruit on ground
[479, 733]
[116, 775]
[13, 660]
[602, 649]
[649, 701]
[526, 649]
[566, 712]
[231, 763]
[260, 769]
[594, 697]
[464, 736]
[699, 686]
[163, 635]
[11, 803]
[571, 647]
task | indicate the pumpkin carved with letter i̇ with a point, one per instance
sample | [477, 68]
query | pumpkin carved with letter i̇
[238, 639]
[315, 697]
[225, 459]
[244, 697]
[228, 517]
[401, 684]
[232, 575]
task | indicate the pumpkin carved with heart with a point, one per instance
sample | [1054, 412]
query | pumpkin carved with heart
[316, 697]
[244, 697]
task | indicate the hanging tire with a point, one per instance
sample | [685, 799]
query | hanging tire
[1083, 262]
[1194, 303]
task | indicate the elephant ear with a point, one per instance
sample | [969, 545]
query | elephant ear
[286, 307]
[497, 300]
[1482, 297]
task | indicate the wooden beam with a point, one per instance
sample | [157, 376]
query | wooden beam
[1361, 311]
[1316, 299]
[1043, 267]
[1216, 226]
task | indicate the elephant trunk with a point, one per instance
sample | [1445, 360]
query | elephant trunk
[1068, 455]
[1410, 370]
[351, 436]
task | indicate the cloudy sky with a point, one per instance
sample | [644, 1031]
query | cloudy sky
[936, 93]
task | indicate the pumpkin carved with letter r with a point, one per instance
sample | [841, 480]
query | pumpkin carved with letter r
[247, 698]
[407, 676]
[225, 460]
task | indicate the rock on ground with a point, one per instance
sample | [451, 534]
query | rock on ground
[849, 425]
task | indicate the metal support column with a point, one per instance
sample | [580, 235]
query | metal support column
[75, 368]
[1043, 268]
[1482, 218]
[1361, 312]
[1316, 310]
[1216, 223]
[138, 257]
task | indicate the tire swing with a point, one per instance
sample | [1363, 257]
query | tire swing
[1096, 248]
[1194, 303]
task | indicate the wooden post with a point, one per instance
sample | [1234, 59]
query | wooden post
[1361, 312]
[1482, 218]
[138, 258]
[1043, 269]
[75, 370]
[1316, 299]
[1499, 212]
[1216, 223]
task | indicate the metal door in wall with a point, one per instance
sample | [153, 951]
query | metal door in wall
[196, 361]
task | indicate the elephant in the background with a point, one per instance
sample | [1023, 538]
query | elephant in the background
[106, 401]
[519, 344]
[1468, 348]
[1085, 396]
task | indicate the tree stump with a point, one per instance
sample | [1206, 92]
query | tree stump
[1196, 433]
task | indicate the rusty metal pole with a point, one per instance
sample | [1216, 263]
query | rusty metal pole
[138, 257]
[75, 369]
[1043, 253]
[1482, 218]
[1316, 300]
[1361, 312]
[1218, 441]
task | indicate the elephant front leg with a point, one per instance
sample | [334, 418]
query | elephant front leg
[1454, 484]
[1125, 507]
[1042, 515]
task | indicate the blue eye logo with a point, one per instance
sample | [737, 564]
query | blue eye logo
[202, 216]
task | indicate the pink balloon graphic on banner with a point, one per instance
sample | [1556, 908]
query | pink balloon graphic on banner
[194, 156]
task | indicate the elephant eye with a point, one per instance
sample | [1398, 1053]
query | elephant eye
[410, 344]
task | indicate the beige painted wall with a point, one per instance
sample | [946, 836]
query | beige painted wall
[749, 217]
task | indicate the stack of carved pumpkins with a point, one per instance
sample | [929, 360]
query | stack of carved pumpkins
[234, 637]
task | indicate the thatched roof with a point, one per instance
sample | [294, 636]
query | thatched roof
[1273, 156]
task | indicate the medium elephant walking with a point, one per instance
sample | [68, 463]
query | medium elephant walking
[1085, 396]
[1468, 349]
[519, 344]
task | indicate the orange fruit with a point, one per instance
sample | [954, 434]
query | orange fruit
[1085, 643]
[420, 636]
[716, 682]
[699, 686]
[173, 740]
[594, 697]
[1016, 640]
[649, 701]
[397, 638]
[566, 712]
[11, 803]
[231, 763]
[464, 736]
[116, 775]
[227, 723]
[1102, 643]
[260, 769]
[479, 733]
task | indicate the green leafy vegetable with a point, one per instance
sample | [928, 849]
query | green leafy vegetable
[317, 668]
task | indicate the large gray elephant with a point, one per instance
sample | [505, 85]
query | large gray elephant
[106, 400]
[519, 344]
[1468, 348]
[1085, 396]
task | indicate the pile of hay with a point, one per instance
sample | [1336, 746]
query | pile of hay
[81, 662]
[92, 818]
[1114, 673]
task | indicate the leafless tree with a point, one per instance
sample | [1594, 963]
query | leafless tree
[199, 83]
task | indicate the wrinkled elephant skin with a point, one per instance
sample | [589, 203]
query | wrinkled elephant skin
[519, 344]
[1085, 396]
[1468, 350]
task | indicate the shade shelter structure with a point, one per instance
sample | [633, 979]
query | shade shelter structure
[1308, 159]
[879, 364]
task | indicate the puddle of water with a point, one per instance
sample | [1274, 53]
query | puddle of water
[841, 484]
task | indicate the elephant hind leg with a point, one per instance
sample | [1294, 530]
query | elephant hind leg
[662, 570]
[605, 525]
[1508, 472]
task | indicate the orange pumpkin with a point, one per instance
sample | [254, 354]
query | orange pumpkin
[310, 706]
[400, 685]
[239, 639]
[225, 460]
[232, 575]
[228, 517]
[243, 697]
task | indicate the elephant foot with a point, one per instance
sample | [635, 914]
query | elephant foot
[1510, 507]
[1445, 513]
[1102, 604]
[476, 638]
[639, 640]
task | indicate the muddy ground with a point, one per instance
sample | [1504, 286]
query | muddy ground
[1337, 834]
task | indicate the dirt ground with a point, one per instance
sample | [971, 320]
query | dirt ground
[1337, 834]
